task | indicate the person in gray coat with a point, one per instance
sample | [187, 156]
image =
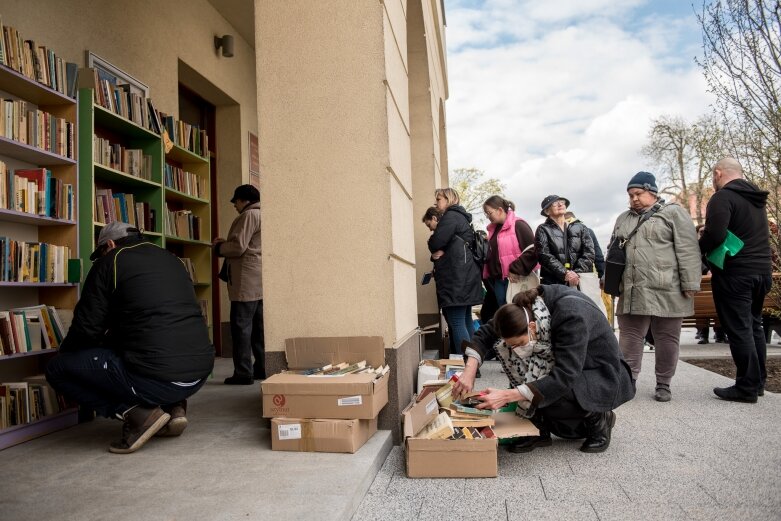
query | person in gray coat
[588, 378]
[662, 274]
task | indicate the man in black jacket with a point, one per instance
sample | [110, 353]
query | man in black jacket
[138, 346]
[739, 288]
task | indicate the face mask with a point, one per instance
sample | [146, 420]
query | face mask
[526, 350]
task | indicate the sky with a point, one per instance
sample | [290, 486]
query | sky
[557, 96]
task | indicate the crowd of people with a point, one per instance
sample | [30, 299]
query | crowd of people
[567, 370]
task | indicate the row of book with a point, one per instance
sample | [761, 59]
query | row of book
[37, 62]
[342, 369]
[33, 261]
[22, 122]
[120, 98]
[183, 224]
[131, 161]
[190, 267]
[28, 401]
[186, 182]
[34, 328]
[110, 207]
[36, 191]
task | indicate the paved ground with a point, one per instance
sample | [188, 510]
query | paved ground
[695, 458]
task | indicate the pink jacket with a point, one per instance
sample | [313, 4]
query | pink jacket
[507, 243]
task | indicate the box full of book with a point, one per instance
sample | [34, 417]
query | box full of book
[329, 378]
[313, 435]
[455, 441]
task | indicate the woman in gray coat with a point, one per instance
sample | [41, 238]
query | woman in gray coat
[572, 393]
[662, 275]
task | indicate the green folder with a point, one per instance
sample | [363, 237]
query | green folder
[731, 246]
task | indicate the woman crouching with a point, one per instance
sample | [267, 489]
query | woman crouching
[574, 392]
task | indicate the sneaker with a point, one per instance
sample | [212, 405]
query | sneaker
[178, 422]
[239, 380]
[733, 394]
[140, 424]
[663, 394]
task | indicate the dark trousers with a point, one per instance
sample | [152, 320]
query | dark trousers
[738, 302]
[565, 418]
[247, 333]
[98, 379]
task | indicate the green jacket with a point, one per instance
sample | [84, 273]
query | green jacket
[662, 261]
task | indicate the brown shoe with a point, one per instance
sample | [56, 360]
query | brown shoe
[141, 423]
[178, 422]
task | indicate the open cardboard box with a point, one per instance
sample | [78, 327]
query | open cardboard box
[455, 458]
[351, 396]
[305, 435]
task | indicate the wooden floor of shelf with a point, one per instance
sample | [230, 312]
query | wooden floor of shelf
[46, 425]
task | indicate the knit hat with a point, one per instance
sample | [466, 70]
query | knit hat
[246, 193]
[644, 180]
[549, 201]
[113, 231]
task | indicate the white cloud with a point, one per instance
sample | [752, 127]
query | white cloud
[559, 100]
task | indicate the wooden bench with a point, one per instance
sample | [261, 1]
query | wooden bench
[705, 309]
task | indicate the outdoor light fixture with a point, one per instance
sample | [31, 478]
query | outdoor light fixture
[226, 42]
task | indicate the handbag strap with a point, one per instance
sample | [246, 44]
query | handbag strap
[647, 215]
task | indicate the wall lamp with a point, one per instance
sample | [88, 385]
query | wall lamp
[226, 42]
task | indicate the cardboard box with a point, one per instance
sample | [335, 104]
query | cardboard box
[352, 396]
[306, 435]
[455, 458]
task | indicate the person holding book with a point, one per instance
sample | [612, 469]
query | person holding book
[738, 210]
[571, 394]
[242, 271]
[138, 345]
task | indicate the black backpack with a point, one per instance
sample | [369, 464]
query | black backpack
[479, 247]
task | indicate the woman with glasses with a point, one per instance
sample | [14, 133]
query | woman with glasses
[457, 275]
[563, 362]
[564, 250]
[511, 253]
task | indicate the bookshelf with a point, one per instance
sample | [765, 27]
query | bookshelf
[177, 183]
[47, 221]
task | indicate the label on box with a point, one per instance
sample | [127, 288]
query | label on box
[431, 407]
[350, 400]
[290, 432]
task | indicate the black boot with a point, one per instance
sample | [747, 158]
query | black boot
[599, 426]
[529, 443]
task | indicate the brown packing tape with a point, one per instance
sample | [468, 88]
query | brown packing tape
[307, 443]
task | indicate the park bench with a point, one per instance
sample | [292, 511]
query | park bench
[704, 308]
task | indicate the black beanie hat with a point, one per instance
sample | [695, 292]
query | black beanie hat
[644, 180]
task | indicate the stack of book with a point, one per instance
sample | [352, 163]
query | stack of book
[110, 207]
[34, 328]
[27, 401]
[182, 224]
[21, 121]
[131, 161]
[37, 62]
[36, 191]
[185, 182]
[22, 261]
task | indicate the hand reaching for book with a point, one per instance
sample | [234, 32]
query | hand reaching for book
[497, 398]
[466, 381]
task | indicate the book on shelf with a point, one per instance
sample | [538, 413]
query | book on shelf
[183, 224]
[36, 191]
[189, 137]
[20, 121]
[110, 207]
[131, 161]
[33, 261]
[188, 265]
[32, 328]
[185, 182]
[36, 62]
[27, 401]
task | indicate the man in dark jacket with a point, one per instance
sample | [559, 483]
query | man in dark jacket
[739, 288]
[138, 346]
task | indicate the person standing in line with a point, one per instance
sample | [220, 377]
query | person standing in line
[564, 251]
[740, 286]
[511, 253]
[662, 275]
[703, 325]
[457, 275]
[599, 258]
[242, 271]
[138, 346]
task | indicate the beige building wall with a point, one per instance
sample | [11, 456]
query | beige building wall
[160, 44]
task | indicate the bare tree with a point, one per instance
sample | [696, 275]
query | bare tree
[742, 65]
[684, 153]
[473, 189]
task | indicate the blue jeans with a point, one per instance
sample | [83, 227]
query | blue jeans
[98, 379]
[500, 290]
[459, 322]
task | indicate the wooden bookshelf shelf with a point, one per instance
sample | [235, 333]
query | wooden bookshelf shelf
[181, 240]
[29, 353]
[31, 154]
[38, 285]
[29, 218]
[184, 156]
[23, 87]
[176, 195]
[104, 118]
[108, 174]
[28, 431]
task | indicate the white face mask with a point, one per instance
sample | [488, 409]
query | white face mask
[526, 350]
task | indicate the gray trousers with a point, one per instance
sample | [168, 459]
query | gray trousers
[247, 333]
[667, 343]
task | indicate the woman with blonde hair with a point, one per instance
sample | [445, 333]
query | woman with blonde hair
[459, 286]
